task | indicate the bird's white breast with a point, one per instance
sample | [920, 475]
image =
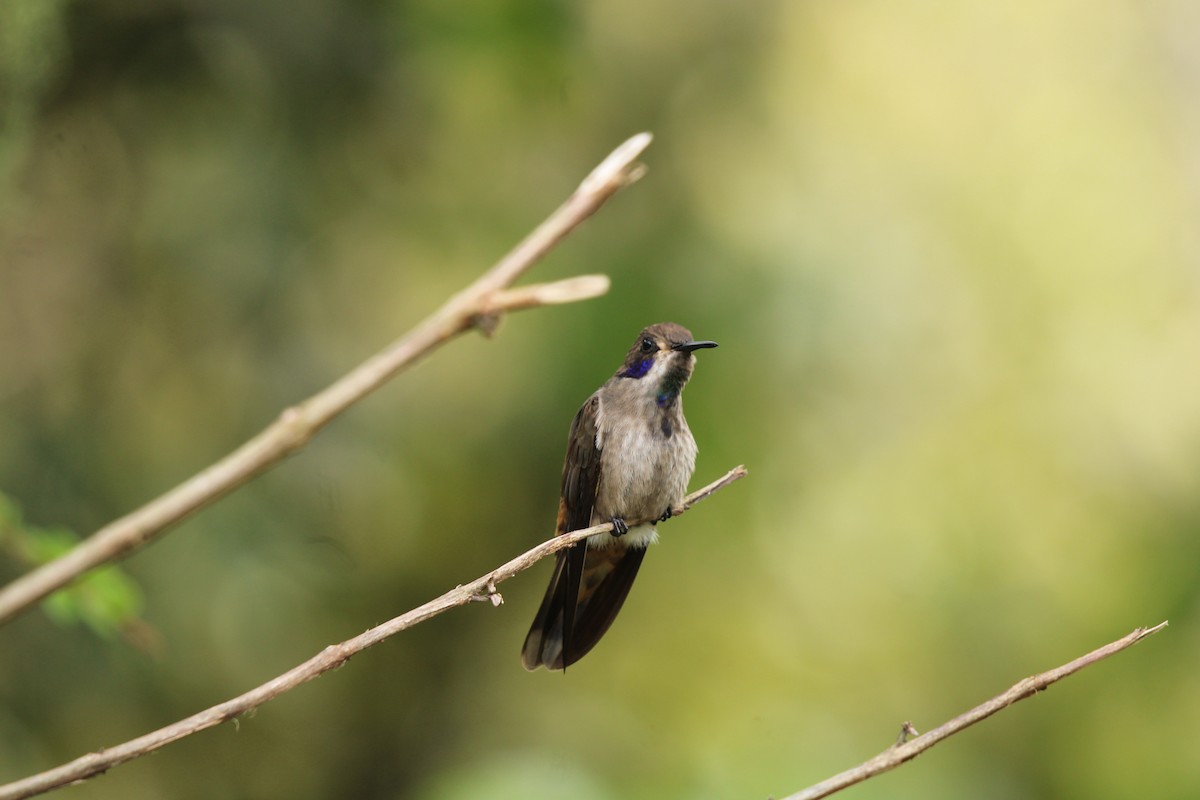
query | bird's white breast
[643, 471]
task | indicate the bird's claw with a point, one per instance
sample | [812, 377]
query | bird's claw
[619, 527]
[666, 515]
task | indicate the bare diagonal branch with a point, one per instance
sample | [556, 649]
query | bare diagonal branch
[481, 588]
[476, 306]
[906, 750]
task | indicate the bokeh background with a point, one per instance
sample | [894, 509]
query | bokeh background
[950, 252]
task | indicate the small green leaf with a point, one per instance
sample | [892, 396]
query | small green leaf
[106, 599]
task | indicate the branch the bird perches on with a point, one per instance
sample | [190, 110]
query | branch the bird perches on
[333, 656]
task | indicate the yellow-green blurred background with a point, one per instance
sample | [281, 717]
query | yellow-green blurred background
[951, 254]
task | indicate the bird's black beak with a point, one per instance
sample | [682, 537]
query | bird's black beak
[688, 347]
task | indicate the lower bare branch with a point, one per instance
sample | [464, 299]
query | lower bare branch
[96, 763]
[479, 305]
[906, 750]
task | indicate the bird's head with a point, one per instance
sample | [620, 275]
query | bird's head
[662, 357]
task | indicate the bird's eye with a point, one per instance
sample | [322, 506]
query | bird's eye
[647, 345]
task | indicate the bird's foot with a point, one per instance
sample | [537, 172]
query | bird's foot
[619, 527]
[666, 515]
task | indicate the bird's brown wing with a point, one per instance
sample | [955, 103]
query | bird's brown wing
[552, 633]
[608, 572]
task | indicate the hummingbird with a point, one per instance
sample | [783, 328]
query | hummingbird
[630, 455]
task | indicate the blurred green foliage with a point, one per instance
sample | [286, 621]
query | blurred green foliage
[31, 52]
[950, 253]
[106, 600]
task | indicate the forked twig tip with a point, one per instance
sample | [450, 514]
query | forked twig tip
[618, 169]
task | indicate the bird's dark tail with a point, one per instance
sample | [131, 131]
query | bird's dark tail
[588, 588]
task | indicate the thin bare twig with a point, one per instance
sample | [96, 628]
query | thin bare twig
[479, 305]
[906, 749]
[483, 588]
